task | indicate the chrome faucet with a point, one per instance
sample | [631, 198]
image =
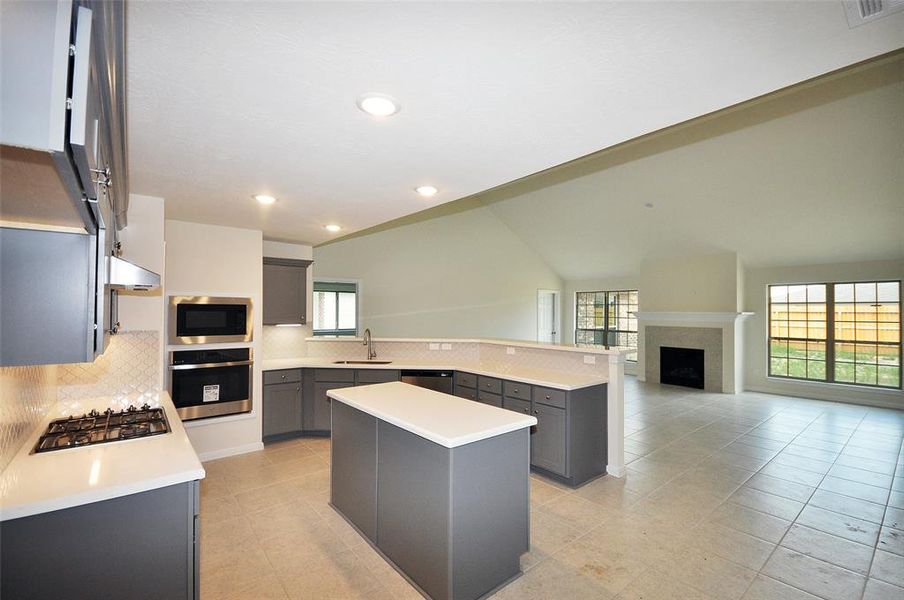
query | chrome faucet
[369, 342]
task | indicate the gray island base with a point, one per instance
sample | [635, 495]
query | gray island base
[437, 484]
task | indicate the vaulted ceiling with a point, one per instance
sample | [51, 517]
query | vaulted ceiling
[230, 99]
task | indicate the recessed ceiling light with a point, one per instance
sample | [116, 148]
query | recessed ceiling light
[426, 190]
[378, 105]
[332, 228]
[265, 199]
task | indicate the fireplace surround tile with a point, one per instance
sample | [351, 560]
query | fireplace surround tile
[708, 339]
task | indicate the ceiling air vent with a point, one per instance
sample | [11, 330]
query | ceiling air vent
[863, 11]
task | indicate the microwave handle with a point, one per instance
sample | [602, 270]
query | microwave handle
[234, 363]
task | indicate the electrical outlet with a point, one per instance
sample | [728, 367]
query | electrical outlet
[589, 359]
[447, 346]
[434, 346]
[509, 350]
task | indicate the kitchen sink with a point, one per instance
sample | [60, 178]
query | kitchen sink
[361, 362]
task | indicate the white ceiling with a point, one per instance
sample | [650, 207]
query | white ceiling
[229, 99]
[813, 176]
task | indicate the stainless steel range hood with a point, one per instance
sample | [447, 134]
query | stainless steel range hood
[123, 275]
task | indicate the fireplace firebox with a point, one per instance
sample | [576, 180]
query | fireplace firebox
[681, 366]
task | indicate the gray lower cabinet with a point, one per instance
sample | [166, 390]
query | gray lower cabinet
[282, 409]
[454, 520]
[321, 405]
[489, 398]
[465, 385]
[569, 441]
[144, 545]
[549, 442]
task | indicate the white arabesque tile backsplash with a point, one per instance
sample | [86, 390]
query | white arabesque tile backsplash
[131, 366]
[27, 394]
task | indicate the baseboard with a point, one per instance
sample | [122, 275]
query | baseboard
[878, 398]
[615, 471]
[223, 453]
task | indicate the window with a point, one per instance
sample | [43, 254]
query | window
[836, 332]
[607, 319]
[335, 308]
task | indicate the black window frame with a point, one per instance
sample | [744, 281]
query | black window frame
[607, 331]
[832, 342]
[339, 287]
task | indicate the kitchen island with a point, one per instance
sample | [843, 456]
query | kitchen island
[439, 485]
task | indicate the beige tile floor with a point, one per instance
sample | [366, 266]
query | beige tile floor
[748, 496]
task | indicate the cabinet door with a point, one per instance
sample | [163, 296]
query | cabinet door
[282, 408]
[516, 405]
[549, 441]
[284, 294]
[466, 393]
[322, 403]
[488, 398]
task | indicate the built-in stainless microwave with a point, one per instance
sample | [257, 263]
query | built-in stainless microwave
[209, 320]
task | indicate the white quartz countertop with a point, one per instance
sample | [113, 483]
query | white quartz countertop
[38, 483]
[530, 375]
[446, 420]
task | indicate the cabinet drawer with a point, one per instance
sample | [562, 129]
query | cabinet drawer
[282, 376]
[465, 379]
[521, 406]
[343, 375]
[489, 384]
[488, 398]
[466, 393]
[550, 397]
[513, 389]
[366, 376]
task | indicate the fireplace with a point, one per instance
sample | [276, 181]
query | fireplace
[681, 366]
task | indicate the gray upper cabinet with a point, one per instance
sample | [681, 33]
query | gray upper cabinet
[63, 154]
[285, 291]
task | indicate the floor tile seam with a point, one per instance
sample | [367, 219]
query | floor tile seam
[876, 549]
[785, 534]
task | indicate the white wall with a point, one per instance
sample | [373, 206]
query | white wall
[756, 329]
[460, 275]
[142, 244]
[705, 283]
[219, 261]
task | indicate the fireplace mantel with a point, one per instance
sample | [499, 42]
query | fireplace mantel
[727, 353]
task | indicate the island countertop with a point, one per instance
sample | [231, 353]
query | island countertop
[37, 483]
[443, 419]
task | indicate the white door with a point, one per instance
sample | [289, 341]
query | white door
[548, 316]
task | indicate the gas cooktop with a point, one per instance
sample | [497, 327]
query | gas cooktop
[100, 427]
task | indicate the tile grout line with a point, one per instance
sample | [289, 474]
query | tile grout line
[807, 503]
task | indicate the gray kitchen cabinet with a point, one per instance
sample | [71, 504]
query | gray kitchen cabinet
[321, 405]
[489, 398]
[369, 376]
[282, 410]
[64, 158]
[549, 441]
[285, 291]
[144, 545]
[465, 385]
[521, 406]
[466, 393]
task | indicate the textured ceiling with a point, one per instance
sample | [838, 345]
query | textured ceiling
[230, 99]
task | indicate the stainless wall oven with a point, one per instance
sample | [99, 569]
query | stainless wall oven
[209, 320]
[210, 383]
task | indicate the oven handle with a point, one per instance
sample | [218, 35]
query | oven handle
[235, 363]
